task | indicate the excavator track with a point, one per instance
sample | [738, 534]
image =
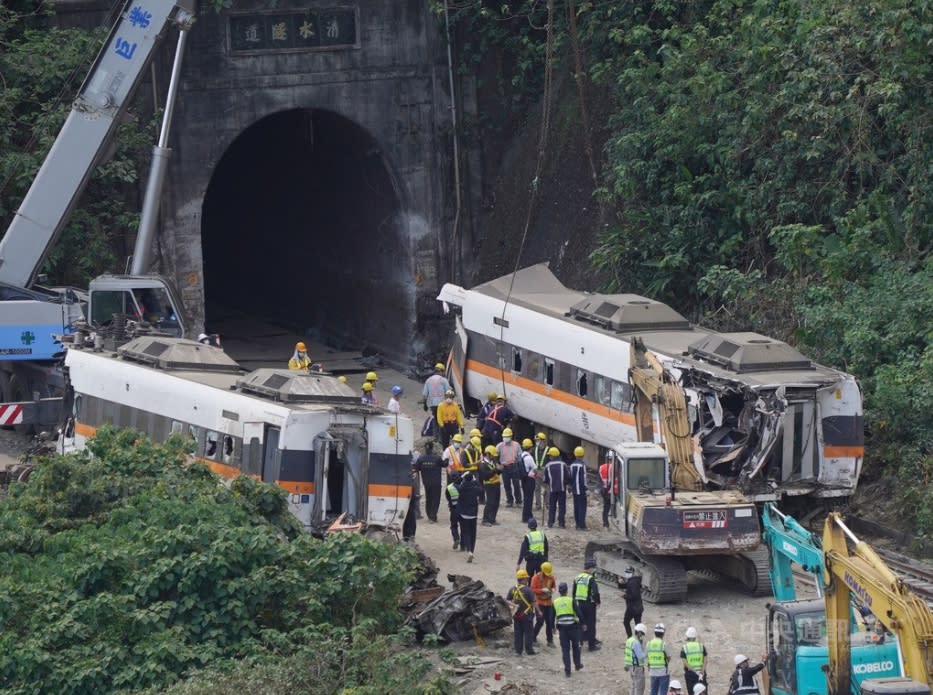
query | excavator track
[664, 579]
[749, 571]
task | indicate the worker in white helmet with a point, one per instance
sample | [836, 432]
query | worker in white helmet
[693, 654]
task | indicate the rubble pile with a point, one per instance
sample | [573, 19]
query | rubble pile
[466, 612]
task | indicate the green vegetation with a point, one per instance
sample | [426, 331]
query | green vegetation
[124, 570]
[767, 166]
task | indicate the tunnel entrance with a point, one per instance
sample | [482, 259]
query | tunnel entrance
[302, 228]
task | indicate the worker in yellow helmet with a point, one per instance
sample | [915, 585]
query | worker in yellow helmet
[449, 417]
[526, 609]
[556, 480]
[539, 453]
[491, 475]
[578, 487]
[484, 411]
[300, 360]
[366, 394]
[435, 389]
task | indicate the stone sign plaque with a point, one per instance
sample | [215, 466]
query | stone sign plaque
[294, 30]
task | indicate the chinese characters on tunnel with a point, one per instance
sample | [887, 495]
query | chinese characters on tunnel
[332, 28]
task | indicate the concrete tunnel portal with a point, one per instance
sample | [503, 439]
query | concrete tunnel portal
[302, 227]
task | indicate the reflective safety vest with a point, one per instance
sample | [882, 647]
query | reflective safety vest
[535, 542]
[453, 492]
[472, 459]
[540, 456]
[655, 655]
[741, 687]
[518, 596]
[454, 456]
[564, 612]
[495, 477]
[494, 415]
[693, 655]
[630, 658]
[582, 581]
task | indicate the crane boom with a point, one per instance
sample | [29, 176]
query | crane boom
[88, 129]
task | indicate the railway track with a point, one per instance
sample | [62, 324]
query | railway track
[916, 575]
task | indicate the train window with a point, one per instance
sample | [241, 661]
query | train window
[228, 448]
[617, 397]
[533, 365]
[603, 390]
[516, 360]
[177, 427]
[549, 371]
[210, 445]
[581, 383]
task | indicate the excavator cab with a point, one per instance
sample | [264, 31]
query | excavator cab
[148, 299]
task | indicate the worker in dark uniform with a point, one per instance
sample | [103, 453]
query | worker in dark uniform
[534, 550]
[410, 525]
[631, 585]
[568, 628]
[578, 488]
[484, 411]
[452, 493]
[429, 467]
[529, 473]
[743, 678]
[556, 479]
[497, 420]
[586, 596]
[523, 598]
[468, 510]
[491, 473]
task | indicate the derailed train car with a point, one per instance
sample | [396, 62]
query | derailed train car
[307, 433]
[762, 415]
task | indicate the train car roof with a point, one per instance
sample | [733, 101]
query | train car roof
[760, 360]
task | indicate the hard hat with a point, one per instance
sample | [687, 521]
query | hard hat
[203, 338]
[507, 432]
[342, 379]
[629, 572]
[542, 436]
[476, 441]
[527, 444]
[372, 376]
[491, 450]
[532, 523]
[367, 387]
[740, 659]
[440, 367]
[659, 628]
[300, 347]
[691, 633]
[674, 685]
[521, 574]
[458, 437]
[491, 396]
[553, 451]
[547, 568]
[641, 628]
[500, 397]
[396, 390]
[589, 562]
[699, 688]
[449, 393]
[475, 433]
[579, 452]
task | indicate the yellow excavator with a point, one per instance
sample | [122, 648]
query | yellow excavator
[853, 570]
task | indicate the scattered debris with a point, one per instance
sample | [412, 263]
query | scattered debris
[466, 612]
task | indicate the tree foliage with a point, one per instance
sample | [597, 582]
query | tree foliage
[123, 568]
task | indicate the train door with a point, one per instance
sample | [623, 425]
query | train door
[456, 367]
[341, 456]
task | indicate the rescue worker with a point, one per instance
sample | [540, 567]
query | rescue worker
[567, 618]
[658, 660]
[693, 654]
[539, 453]
[631, 585]
[586, 596]
[449, 418]
[452, 493]
[450, 459]
[743, 678]
[544, 585]
[497, 419]
[300, 360]
[394, 405]
[605, 475]
[470, 458]
[534, 548]
[491, 475]
[556, 479]
[476, 433]
[410, 524]
[429, 467]
[529, 474]
[468, 509]
[435, 389]
[510, 454]
[372, 378]
[635, 658]
[485, 410]
[367, 397]
[523, 599]
[578, 487]
[674, 688]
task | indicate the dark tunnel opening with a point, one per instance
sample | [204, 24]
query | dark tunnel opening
[302, 228]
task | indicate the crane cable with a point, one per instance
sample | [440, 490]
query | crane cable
[542, 146]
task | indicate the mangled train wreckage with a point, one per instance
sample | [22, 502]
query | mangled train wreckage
[763, 417]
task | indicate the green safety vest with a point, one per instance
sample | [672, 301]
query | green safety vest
[630, 659]
[535, 542]
[454, 492]
[693, 652]
[540, 456]
[655, 654]
[582, 581]
[564, 613]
